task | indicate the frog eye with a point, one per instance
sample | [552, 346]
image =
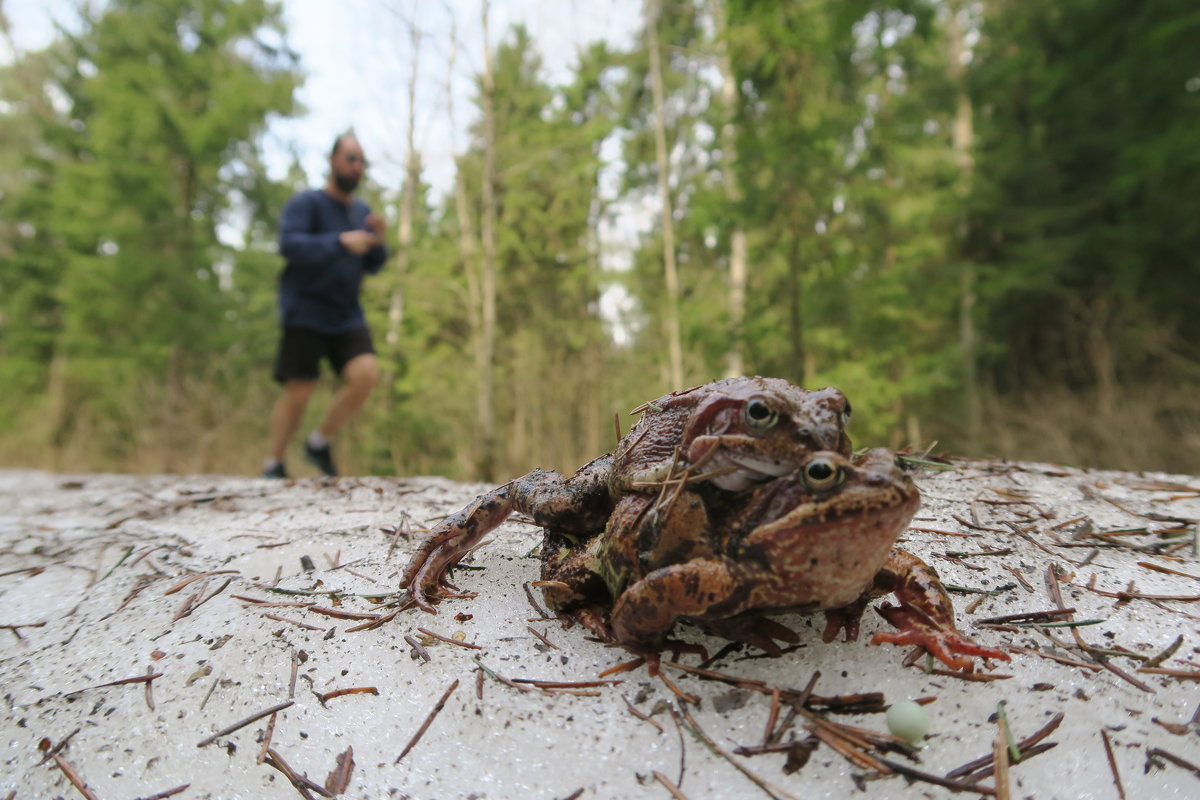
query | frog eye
[758, 415]
[821, 474]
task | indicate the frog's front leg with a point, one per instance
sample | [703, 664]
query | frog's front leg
[646, 610]
[925, 615]
[578, 504]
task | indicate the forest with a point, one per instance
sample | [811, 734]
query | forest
[980, 219]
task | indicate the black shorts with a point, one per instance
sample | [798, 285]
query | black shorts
[301, 351]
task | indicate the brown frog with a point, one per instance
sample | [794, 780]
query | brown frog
[727, 435]
[820, 538]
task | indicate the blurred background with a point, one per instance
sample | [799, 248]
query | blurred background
[980, 220]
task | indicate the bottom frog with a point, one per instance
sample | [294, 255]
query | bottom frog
[818, 539]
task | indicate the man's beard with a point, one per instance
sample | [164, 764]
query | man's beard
[346, 183]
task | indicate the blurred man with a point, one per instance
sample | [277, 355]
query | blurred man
[330, 239]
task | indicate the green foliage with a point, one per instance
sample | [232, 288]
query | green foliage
[1089, 179]
[135, 123]
[133, 337]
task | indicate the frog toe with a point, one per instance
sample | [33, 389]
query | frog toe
[760, 632]
[945, 644]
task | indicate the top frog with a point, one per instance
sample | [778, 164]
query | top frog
[732, 434]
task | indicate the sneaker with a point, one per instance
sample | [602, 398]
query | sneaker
[321, 458]
[278, 470]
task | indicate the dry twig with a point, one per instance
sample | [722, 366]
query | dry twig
[441, 703]
[693, 726]
[1158, 752]
[1112, 764]
[339, 779]
[122, 682]
[675, 791]
[448, 640]
[166, 793]
[295, 622]
[304, 785]
[75, 778]
[343, 692]
[243, 723]
[418, 648]
[188, 581]
[542, 638]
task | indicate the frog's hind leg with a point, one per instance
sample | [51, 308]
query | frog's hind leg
[578, 504]
[452, 539]
[925, 615]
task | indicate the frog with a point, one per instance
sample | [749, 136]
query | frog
[821, 538]
[728, 435]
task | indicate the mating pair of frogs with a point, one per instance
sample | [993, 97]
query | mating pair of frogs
[723, 502]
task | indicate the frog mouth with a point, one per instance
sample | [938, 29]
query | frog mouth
[766, 469]
[741, 472]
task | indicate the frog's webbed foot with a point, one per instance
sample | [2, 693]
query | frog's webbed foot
[448, 542]
[593, 618]
[678, 648]
[757, 631]
[945, 644]
[925, 615]
[847, 618]
[652, 653]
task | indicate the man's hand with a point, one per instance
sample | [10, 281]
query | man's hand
[376, 225]
[359, 242]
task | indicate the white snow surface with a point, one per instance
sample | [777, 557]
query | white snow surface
[90, 568]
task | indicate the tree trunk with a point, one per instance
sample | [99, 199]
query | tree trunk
[671, 315]
[486, 463]
[405, 230]
[468, 248]
[735, 362]
[800, 365]
[963, 138]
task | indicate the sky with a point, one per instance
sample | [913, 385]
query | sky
[358, 58]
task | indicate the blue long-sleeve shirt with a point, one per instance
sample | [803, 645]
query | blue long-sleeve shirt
[320, 283]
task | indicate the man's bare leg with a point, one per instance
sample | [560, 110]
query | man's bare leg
[360, 375]
[287, 413]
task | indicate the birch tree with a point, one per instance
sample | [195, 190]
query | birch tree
[735, 357]
[485, 462]
[662, 154]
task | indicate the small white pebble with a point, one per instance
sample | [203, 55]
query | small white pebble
[908, 720]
